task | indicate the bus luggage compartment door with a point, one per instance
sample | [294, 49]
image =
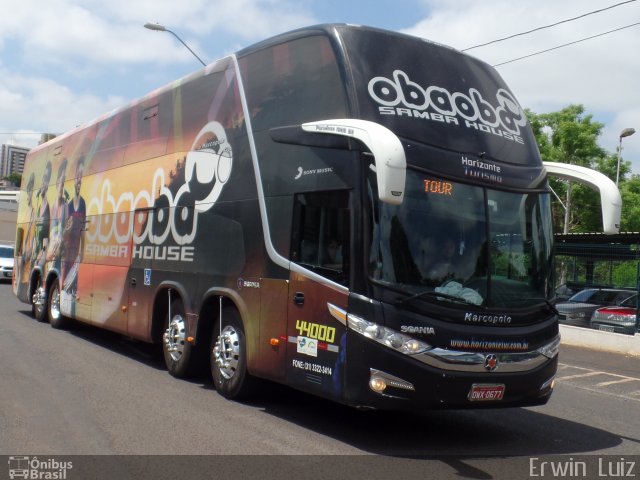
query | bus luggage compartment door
[273, 327]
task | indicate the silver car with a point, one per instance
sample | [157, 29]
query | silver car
[619, 318]
[6, 262]
[580, 307]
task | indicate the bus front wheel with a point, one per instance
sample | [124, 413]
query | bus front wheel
[229, 357]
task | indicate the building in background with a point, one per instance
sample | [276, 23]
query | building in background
[12, 159]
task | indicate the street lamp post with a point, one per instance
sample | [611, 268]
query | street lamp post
[161, 28]
[624, 133]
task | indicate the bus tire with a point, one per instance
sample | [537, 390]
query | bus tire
[177, 351]
[39, 305]
[56, 318]
[34, 309]
[229, 357]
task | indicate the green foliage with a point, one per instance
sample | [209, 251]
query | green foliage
[605, 272]
[15, 179]
[570, 136]
[586, 211]
[608, 165]
[624, 274]
[630, 191]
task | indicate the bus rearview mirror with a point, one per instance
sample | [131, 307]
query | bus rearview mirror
[609, 194]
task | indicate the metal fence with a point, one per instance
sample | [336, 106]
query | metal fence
[597, 281]
[9, 196]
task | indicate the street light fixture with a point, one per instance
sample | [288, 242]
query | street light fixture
[161, 28]
[627, 132]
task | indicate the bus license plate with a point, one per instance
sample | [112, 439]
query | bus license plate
[482, 392]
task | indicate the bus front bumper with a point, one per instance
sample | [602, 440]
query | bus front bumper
[380, 378]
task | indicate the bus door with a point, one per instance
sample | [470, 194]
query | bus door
[318, 282]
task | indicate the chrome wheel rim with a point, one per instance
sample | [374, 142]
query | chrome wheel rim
[226, 352]
[54, 306]
[38, 302]
[174, 337]
[38, 309]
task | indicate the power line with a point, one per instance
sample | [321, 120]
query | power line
[548, 26]
[566, 44]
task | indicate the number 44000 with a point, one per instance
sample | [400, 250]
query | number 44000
[313, 330]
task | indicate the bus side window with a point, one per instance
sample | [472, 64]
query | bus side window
[320, 234]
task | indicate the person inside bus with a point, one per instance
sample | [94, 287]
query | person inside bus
[334, 253]
[443, 266]
[334, 261]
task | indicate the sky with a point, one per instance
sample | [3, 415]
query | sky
[65, 62]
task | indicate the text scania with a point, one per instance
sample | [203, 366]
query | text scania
[494, 319]
[412, 329]
[402, 97]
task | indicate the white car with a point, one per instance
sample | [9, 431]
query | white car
[6, 262]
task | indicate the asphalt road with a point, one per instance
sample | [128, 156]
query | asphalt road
[90, 392]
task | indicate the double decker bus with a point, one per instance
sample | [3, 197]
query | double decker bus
[356, 213]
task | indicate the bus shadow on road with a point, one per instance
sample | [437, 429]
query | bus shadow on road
[471, 433]
[512, 432]
[142, 352]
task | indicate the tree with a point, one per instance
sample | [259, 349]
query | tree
[15, 179]
[608, 165]
[570, 136]
[630, 192]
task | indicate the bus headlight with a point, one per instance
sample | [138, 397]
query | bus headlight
[551, 349]
[377, 384]
[386, 336]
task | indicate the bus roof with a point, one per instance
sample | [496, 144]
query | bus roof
[421, 90]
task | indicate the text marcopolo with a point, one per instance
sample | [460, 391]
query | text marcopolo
[494, 319]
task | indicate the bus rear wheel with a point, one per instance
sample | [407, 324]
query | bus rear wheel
[56, 318]
[229, 357]
[39, 304]
[178, 352]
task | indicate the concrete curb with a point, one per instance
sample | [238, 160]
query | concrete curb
[602, 341]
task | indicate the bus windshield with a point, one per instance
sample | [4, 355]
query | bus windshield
[460, 244]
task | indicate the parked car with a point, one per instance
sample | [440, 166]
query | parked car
[6, 262]
[565, 291]
[580, 307]
[619, 319]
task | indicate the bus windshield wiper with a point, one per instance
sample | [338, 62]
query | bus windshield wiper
[437, 295]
